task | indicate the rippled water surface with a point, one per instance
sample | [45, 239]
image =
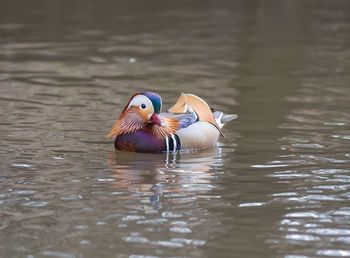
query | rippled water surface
[277, 186]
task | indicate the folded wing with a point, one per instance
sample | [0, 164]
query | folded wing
[189, 103]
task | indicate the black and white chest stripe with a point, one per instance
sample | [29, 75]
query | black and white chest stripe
[172, 143]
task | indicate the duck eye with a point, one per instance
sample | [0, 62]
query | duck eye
[143, 106]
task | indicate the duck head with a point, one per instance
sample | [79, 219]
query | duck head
[142, 112]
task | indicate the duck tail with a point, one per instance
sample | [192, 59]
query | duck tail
[221, 118]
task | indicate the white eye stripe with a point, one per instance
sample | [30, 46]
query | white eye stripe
[140, 100]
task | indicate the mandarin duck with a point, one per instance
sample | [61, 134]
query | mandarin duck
[189, 124]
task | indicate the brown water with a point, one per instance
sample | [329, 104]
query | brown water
[277, 186]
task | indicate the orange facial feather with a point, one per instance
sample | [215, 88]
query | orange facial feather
[129, 121]
[132, 120]
[171, 126]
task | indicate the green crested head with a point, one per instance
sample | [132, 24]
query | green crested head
[155, 99]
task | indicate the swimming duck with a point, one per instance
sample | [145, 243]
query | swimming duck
[189, 124]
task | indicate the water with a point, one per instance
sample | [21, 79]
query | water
[277, 186]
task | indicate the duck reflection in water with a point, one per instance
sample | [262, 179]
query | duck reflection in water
[176, 175]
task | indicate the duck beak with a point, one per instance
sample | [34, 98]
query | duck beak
[156, 119]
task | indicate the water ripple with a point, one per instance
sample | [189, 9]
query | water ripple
[57, 254]
[302, 237]
[35, 204]
[334, 252]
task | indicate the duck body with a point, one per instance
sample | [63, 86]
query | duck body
[189, 124]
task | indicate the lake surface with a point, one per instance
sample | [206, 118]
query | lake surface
[277, 186]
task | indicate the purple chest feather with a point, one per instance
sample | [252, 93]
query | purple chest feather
[139, 141]
[142, 141]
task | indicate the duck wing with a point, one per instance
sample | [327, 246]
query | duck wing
[185, 119]
[194, 104]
